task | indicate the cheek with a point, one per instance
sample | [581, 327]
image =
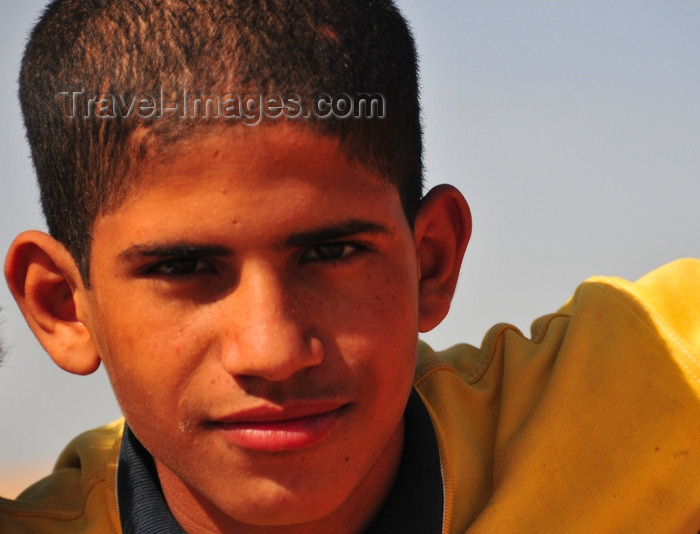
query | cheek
[150, 362]
[386, 301]
[381, 324]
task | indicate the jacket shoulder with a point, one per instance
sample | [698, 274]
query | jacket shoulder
[664, 304]
[78, 496]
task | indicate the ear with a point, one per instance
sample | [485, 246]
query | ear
[47, 286]
[442, 230]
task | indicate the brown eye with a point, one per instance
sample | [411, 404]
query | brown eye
[180, 267]
[329, 251]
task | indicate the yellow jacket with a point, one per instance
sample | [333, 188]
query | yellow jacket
[593, 425]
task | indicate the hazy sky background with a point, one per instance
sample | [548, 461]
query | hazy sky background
[573, 129]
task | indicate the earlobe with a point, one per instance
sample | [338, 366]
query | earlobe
[442, 231]
[46, 284]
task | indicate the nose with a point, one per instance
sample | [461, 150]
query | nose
[270, 334]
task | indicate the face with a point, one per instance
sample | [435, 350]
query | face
[255, 302]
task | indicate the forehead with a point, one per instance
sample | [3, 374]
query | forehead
[268, 176]
[256, 155]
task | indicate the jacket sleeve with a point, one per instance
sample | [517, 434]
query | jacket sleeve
[592, 425]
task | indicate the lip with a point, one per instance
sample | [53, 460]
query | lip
[278, 429]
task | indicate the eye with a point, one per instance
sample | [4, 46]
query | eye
[330, 251]
[180, 267]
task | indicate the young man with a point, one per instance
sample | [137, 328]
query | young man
[238, 233]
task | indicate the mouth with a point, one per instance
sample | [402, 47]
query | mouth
[280, 429]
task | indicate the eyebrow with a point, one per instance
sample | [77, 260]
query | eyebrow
[346, 229]
[173, 250]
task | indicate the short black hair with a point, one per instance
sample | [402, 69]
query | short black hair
[85, 163]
